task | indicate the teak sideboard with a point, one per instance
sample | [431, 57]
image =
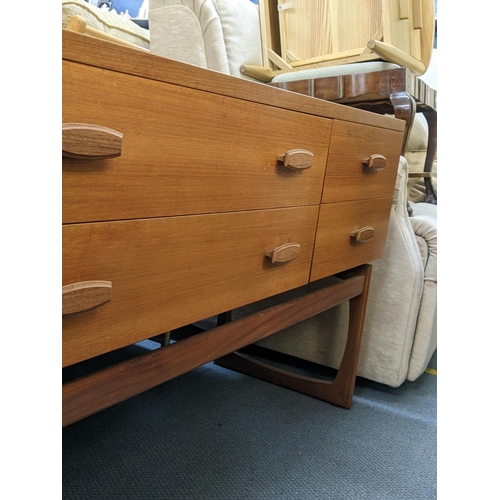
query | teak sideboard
[188, 193]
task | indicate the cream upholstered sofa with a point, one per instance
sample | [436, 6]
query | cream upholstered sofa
[221, 35]
[400, 333]
[106, 22]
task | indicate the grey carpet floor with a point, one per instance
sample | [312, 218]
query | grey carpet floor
[214, 434]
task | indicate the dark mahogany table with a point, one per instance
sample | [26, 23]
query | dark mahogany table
[393, 91]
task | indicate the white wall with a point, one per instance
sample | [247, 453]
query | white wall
[430, 76]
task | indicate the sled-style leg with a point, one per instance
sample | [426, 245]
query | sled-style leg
[340, 390]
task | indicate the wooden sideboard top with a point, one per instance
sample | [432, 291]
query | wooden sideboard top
[91, 51]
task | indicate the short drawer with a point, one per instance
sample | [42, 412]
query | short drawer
[349, 234]
[163, 273]
[362, 163]
[176, 151]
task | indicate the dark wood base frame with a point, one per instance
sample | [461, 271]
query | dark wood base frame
[339, 391]
[95, 392]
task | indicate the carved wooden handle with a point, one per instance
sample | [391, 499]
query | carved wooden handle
[284, 253]
[87, 141]
[81, 296]
[375, 162]
[364, 234]
[297, 159]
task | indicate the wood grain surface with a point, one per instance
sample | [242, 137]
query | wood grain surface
[347, 176]
[99, 53]
[169, 272]
[335, 250]
[184, 151]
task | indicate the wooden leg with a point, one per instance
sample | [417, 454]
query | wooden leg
[340, 390]
[431, 117]
[165, 338]
[404, 109]
[223, 318]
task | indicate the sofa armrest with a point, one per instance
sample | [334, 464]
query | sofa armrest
[424, 223]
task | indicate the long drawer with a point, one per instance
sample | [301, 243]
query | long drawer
[362, 162]
[181, 151]
[167, 272]
[349, 234]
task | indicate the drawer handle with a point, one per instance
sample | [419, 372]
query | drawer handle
[284, 253]
[86, 141]
[375, 162]
[81, 296]
[297, 159]
[364, 234]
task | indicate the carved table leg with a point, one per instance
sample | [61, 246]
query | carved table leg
[404, 109]
[431, 117]
[340, 390]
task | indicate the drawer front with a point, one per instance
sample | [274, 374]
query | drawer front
[349, 234]
[167, 272]
[350, 175]
[181, 151]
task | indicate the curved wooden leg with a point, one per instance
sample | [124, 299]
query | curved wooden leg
[339, 391]
[343, 385]
[404, 109]
[431, 117]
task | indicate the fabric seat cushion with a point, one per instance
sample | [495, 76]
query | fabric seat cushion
[342, 69]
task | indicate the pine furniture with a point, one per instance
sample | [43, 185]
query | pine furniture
[302, 34]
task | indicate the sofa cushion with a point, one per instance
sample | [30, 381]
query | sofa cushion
[189, 31]
[241, 30]
[216, 34]
[105, 21]
[424, 223]
[417, 142]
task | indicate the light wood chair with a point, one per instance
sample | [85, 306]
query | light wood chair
[300, 34]
[363, 53]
